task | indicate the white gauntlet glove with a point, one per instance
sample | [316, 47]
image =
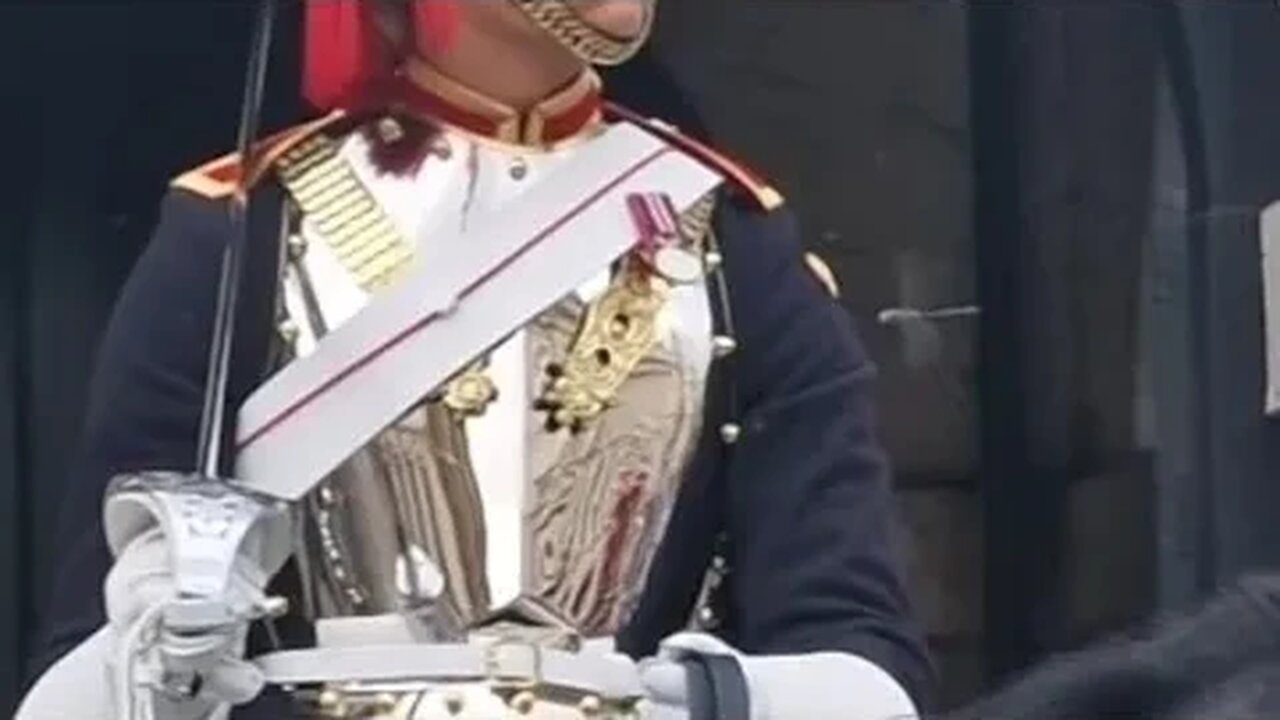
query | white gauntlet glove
[192, 561]
[814, 686]
[138, 589]
[166, 655]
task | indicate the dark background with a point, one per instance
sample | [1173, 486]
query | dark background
[1088, 449]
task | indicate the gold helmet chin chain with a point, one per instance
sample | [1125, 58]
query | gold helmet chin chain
[561, 21]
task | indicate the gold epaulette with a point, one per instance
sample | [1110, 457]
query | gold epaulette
[224, 176]
[743, 178]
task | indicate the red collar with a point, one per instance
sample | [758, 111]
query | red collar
[424, 92]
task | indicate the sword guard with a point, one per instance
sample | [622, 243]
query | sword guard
[206, 523]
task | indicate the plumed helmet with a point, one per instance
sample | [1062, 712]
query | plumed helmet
[350, 49]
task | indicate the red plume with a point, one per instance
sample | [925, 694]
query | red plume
[349, 65]
[345, 56]
[436, 23]
[347, 62]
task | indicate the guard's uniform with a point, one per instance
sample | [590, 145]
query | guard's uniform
[711, 461]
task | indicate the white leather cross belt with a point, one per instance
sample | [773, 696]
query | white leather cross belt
[608, 676]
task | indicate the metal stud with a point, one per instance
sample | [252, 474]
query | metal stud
[707, 616]
[719, 564]
[523, 702]
[723, 346]
[332, 703]
[384, 704]
[296, 246]
[714, 260]
[442, 149]
[730, 432]
[589, 706]
[275, 606]
[288, 331]
[390, 130]
[519, 168]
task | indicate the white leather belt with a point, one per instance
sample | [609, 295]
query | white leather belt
[605, 675]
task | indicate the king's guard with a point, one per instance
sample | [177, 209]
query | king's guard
[527, 388]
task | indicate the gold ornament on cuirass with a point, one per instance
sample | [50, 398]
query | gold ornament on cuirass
[561, 21]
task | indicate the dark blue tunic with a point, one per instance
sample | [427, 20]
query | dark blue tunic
[803, 498]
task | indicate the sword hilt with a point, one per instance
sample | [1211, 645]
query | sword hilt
[206, 525]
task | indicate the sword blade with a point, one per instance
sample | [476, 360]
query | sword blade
[213, 411]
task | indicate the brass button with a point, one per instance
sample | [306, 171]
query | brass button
[730, 432]
[296, 246]
[288, 331]
[332, 703]
[471, 393]
[589, 706]
[723, 346]
[523, 702]
[519, 169]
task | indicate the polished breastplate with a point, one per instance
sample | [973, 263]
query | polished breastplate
[484, 505]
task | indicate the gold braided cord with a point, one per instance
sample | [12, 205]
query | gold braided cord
[342, 210]
[559, 19]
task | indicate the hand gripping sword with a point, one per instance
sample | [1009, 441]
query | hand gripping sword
[205, 518]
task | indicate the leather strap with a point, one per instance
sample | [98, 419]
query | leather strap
[717, 688]
[702, 703]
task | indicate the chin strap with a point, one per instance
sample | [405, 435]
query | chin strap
[561, 21]
[721, 683]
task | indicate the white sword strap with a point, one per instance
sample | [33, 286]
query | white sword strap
[319, 409]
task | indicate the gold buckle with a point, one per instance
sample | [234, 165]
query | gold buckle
[499, 674]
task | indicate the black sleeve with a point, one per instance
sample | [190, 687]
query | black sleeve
[148, 385]
[811, 515]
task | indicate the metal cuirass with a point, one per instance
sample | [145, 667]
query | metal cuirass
[486, 505]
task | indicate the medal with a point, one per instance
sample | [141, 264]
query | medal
[660, 246]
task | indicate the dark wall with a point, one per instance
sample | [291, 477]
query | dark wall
[1217, 514]
[12, 290]
[1063, 112]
